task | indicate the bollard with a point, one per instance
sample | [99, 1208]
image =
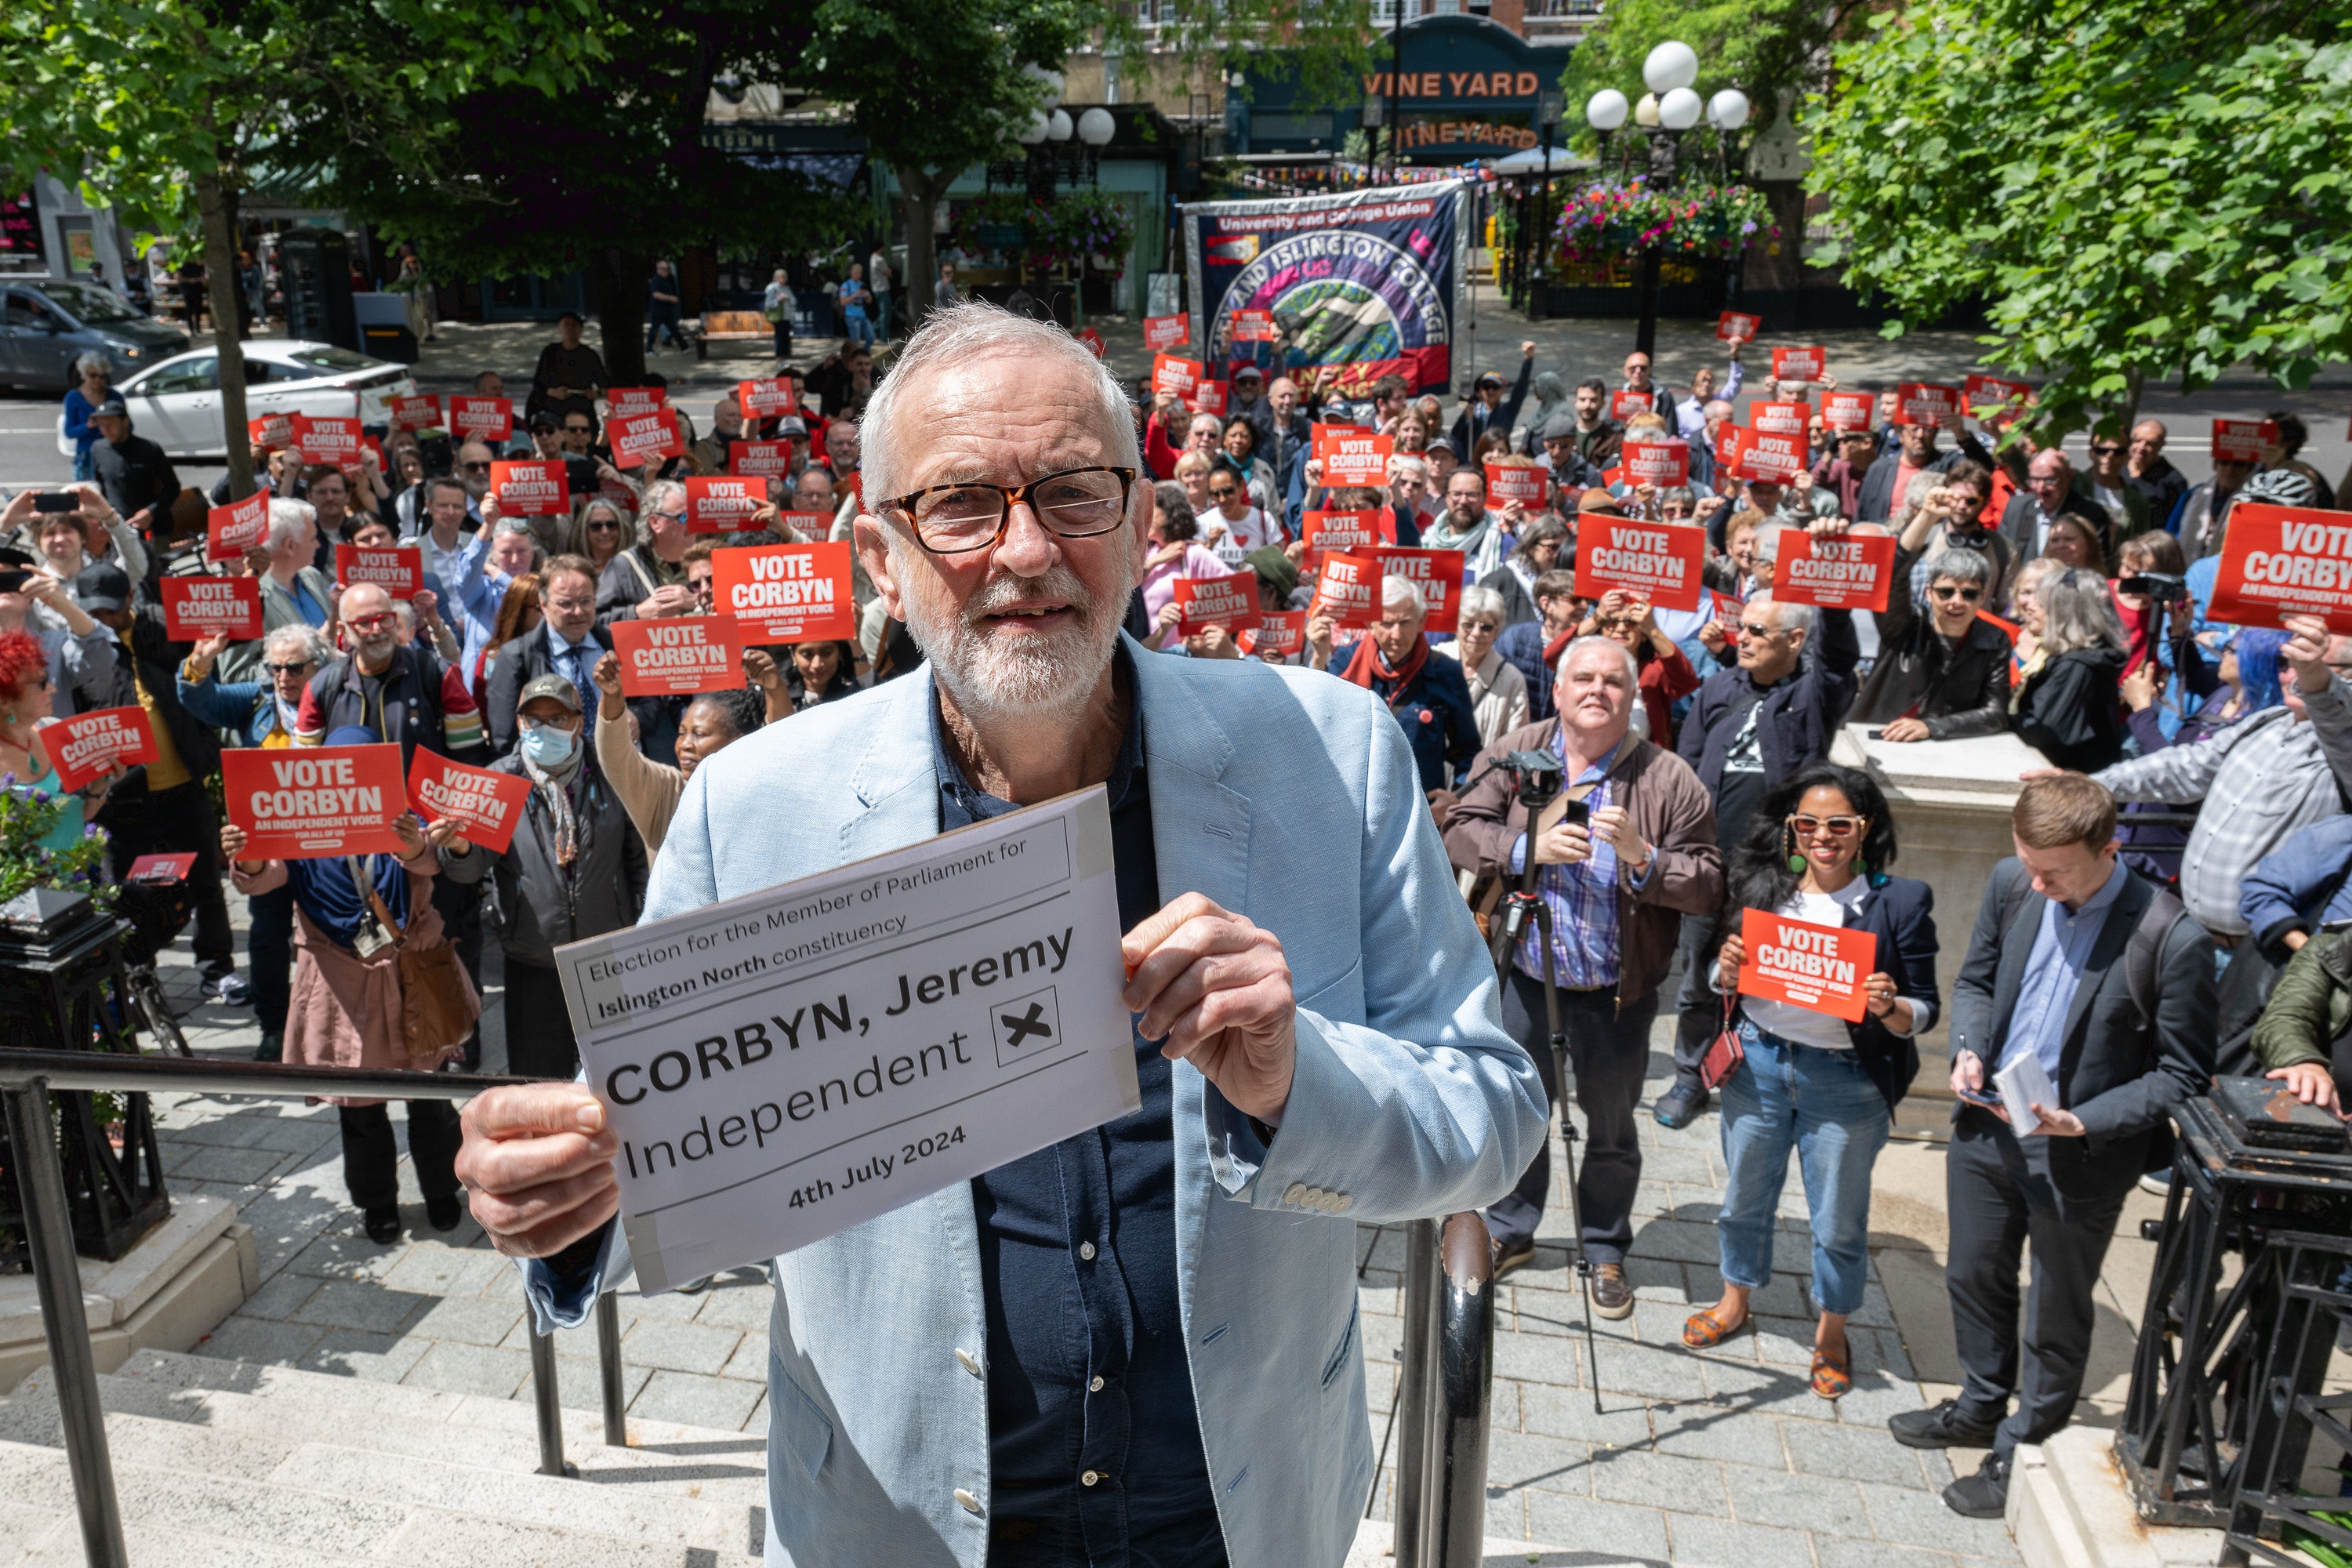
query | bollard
[1414, 1388]
[608, 1369]
[544, 1402]
[1461, 1396]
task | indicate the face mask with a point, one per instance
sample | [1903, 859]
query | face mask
[549, 747]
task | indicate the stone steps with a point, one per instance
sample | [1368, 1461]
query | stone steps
[223, 1461]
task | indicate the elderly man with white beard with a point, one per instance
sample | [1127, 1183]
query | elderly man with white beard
[1137, 1345]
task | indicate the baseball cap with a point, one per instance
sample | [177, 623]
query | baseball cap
[1248, 373]
[1490, 379]
[1560, 428]
[545, 420]
[553, 685]
[104, 586]
[792, 425]
[111, 408]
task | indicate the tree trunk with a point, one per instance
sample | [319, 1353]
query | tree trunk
[919, 194]
[2135, 382]
[618, 277]
[220, 277]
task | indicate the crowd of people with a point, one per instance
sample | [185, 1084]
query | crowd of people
[2068, 608]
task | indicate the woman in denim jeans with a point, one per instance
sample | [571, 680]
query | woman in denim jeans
[1818, 852]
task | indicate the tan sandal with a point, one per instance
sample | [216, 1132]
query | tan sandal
[1704, 1330]
[1832, 1374]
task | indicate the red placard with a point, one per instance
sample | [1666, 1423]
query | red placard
[1346, 589]
[1800, 364]
[212, 607]
[766, 398]
[481, 418]
[88, 745]
[160, 868]
[419, 412]
[1209, 397]
[807, 524]
[1734, 328]
[1352, 457]
[1773, 457]
[1848, 573]
[1254, 327]
[1925, 403]
[1093, 339]
[1849, 410]
[1727, 448]
[1818, 968]
[1658, 561]
[759, 459]
[786, 592]
[488, 805]
[2242, 440]
[1624, 405]
[309, 801]
[230, 530]
[1174, 375]
[2281, 560]
[273, 431]
[621, 400]
[1227, 601]
[335, 441]
[1988, 395]
[1278, 632]
[1326, 533]
[1167, 331]
[1786, 418]
[1521, 481]
[636, 438]
[670, 656]
[398, 572]
[531, 489]
[1436, 573]
[1662, 463]
[722, 505]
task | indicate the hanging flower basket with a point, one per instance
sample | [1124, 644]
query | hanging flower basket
[1083, 228]
[1608, 220]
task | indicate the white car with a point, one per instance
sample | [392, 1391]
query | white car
[177, 403]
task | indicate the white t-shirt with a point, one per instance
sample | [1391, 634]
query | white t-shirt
[1803, 1025]
[1232, 541]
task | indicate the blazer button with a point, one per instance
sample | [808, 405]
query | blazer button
[1094, 1384]
[1090, 1478]
[971, 1503]
[1087, 1250]
[1295, 1194]
[1342, 1204]
[971, 1362]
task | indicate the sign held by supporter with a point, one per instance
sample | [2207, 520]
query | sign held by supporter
[1800, 364]
[1726, 448]
[230, 530]
[1353, 458]
[722, 505]
[212, 607]
[638, 437]
[88, 746]
[1925, 403]
[398, 571]
[531, 490]
[785, 593]
[626, 400]
[2243, 441]
[761, 459]
[1328, 532]
[1817, 967]
[1520, 481]
[1209, 397]
[1227, 601]
[419, 412]
[1664, 464]
[1437, 573]
[764, 398]
[1175, 375]
[1732, 327]
[335, 441]
[671, 656]
[314, 802]
[1850, 573]
[1769, 456]
[1254, 327]
[2282, 561]
[481, 418]
[1789, 418]
[160, 870]
[1848, 410]
[273, 431]
[1347, 589]
[488, 805]
[1989, 396]
[1653, 561]
[1623, 404]
[1278, 632]
[1167, 331]
[1093, 341]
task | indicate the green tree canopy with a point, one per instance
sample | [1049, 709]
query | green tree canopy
[2137, 191]
[1768, 49]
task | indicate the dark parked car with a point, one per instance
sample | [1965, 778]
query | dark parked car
[46, 324]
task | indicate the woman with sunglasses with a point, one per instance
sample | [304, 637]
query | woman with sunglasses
[2067, 702]
[1818, 851]
[598, 532]
[1943, 675]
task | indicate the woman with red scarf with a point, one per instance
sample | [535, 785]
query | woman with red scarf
[1428, 696]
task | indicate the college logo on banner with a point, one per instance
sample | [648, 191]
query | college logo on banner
[2277, 560]
[1369, 279]
[785, 593]
[309, 801]
[1653, 561]
[670, 656]
[1848, 573]
[230, 530]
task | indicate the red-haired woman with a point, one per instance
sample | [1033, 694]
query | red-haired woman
[24, 767]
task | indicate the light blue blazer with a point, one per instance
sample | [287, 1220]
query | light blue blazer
[1285, 794]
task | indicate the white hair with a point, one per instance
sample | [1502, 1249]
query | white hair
[1483, 602]
[1568, 655]
[1768, 540]
[93, 360]
[1396, 590]
[1787, 617]
[309, 639]
[288, 519]
[649, 504]
[970, 329]
[1404, 465]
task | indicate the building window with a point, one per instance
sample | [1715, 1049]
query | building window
[1290, 127]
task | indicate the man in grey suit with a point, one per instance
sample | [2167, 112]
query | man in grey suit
[1138, 1345]
[2107, 982]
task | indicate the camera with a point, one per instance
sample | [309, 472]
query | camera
[56, 502]
[1536, 778]
[2162, 588]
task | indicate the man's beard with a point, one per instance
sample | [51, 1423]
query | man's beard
[1036, 678]
[372, 650]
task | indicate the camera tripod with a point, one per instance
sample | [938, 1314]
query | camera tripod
[1520, 906]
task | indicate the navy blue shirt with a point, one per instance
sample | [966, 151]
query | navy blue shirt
[1088, 1373]
[1439, 719]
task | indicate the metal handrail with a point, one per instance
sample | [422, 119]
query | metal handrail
[26, 1079]
[1446, 1395]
